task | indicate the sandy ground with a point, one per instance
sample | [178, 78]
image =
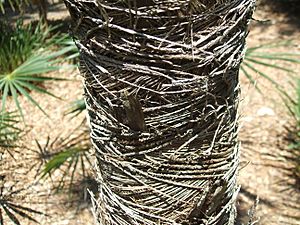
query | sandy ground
[264, 170]
[263, 132]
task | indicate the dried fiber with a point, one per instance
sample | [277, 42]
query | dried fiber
[162, 91]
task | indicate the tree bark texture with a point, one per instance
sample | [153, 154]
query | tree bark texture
[162, 91]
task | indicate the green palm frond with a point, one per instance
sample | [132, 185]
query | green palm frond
[267, 56]
[73, 158]
[263, 56]
[20, 42]
[26, 78]
[14, 4]
[76, 107]
[71, 155]
[73, 54]
[28, 53]
[9, 131]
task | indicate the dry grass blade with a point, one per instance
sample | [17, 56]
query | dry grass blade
[172, 65]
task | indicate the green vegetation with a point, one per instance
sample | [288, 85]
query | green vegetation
[76, 107]
[20, 42]
[265, 56]
[72, 157]
[9, 132]
[26, 54]
[14, 4]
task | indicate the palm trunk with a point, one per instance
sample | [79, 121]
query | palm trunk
[162, 91]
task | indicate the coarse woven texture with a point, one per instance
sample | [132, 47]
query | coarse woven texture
[162, 91]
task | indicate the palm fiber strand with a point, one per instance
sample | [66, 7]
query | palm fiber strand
[162, 91]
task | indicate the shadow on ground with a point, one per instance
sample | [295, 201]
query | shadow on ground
[78, 194]
[247, 205]
[289, 8]
[292, 155]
